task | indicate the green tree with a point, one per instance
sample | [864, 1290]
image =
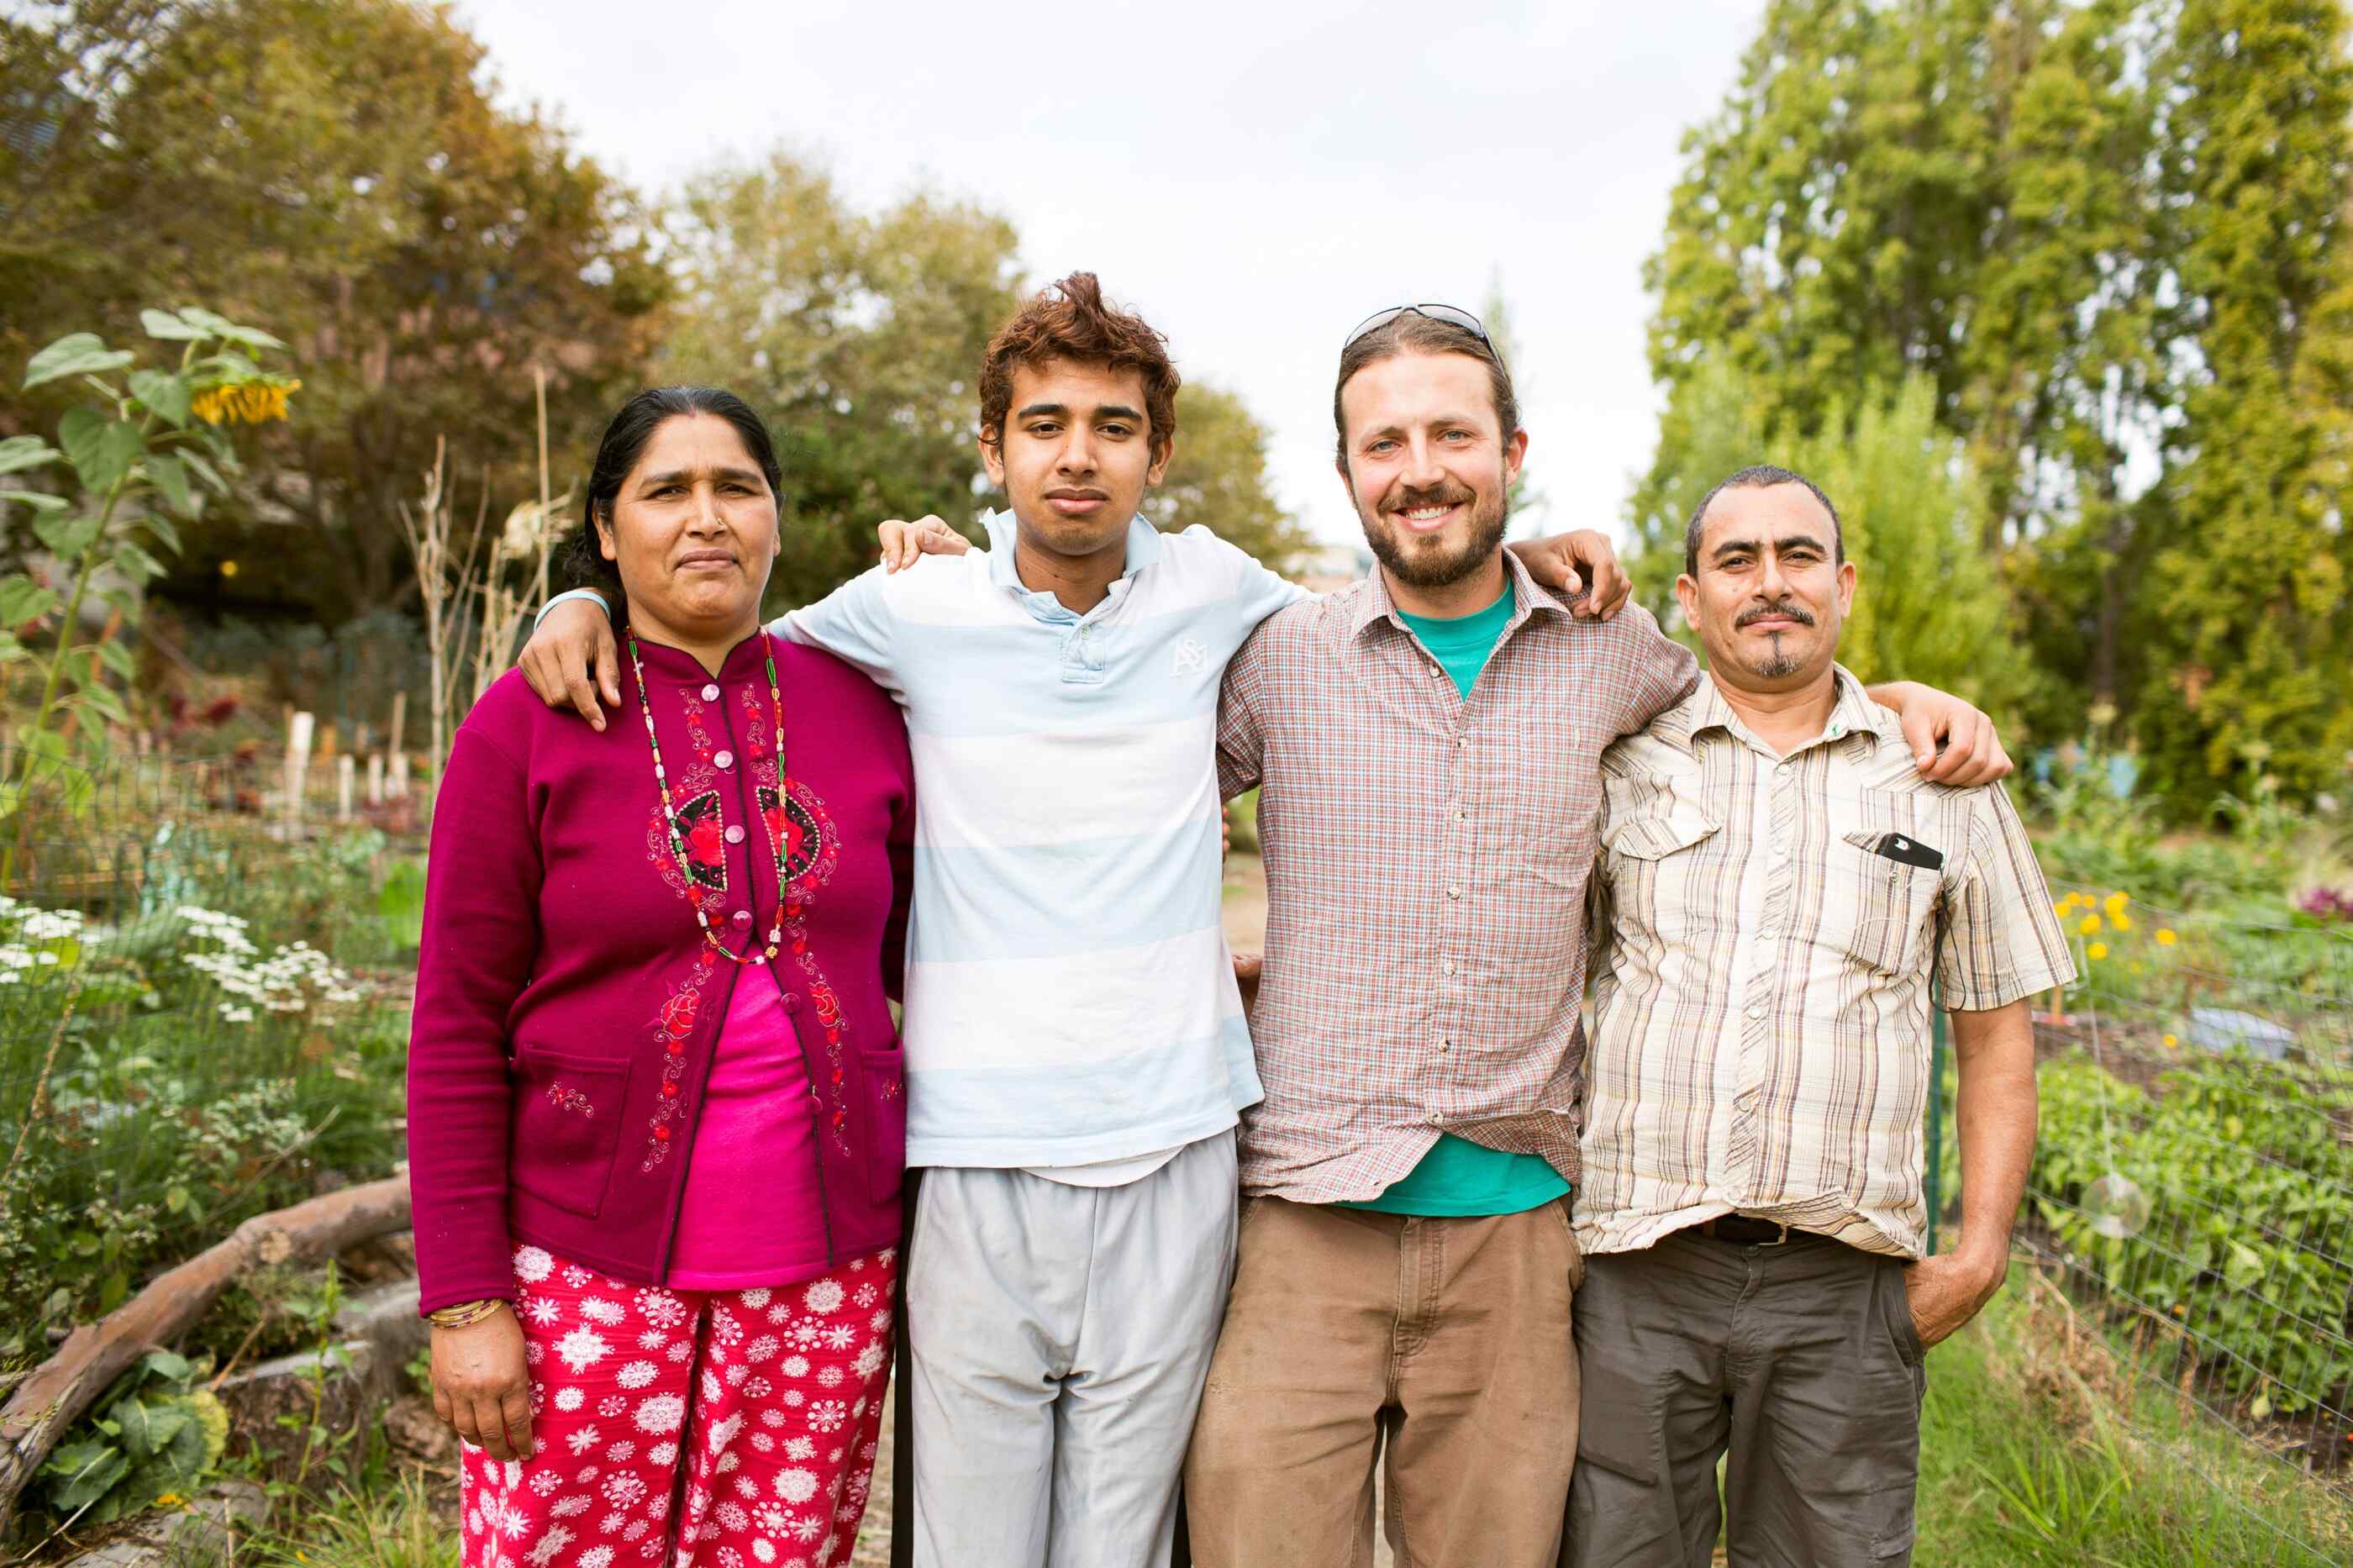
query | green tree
[1928, 600]
[2061, 215]
[2250, 677]
[337, 167]
[858, 337]
[1219, 479]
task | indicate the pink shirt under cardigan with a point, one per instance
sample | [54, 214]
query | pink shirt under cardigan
[568, 1011]
[751, 1215]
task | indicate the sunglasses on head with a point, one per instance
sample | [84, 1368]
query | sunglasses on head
[1447, 314]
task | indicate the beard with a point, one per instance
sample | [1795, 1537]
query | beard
[1436, 566]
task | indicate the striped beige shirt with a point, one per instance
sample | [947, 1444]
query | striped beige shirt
[1761, 1029]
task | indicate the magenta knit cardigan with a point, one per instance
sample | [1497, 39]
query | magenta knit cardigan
[566, 1002]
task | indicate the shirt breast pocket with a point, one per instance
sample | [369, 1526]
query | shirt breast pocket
[1887, 904]
[1655, 842]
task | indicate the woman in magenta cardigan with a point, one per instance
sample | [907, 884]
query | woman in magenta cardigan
[656, 1111]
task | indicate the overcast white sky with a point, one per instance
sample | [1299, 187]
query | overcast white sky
[1254, 178]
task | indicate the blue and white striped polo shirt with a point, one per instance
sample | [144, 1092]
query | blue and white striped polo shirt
[1069, 996]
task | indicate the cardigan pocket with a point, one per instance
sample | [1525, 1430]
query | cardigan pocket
[885, 1076]
[566, 1127]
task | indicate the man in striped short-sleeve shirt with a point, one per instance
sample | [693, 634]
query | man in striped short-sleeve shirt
[1776, 890]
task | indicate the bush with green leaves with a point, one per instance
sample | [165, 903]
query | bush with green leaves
[156, 1434]
[140, 452]
[169, 1072]
[2250, 1182]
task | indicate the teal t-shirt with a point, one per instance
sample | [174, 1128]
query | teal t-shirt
[1458, 1177]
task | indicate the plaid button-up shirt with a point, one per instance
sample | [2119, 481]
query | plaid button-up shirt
[1426, 862]
[1760, 1034]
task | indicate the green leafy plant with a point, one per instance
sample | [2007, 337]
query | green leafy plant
[2248, 1193]
[143, 452]
[316, 1311]
[157, 1434]
[401, 902]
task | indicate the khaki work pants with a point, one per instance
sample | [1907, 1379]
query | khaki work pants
[1442, 1345]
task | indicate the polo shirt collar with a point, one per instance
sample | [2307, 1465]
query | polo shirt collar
[1143, 549]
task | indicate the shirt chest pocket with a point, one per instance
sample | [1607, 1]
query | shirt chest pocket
[1657, 843]
[1880, 906]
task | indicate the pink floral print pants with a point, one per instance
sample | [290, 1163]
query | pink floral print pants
[731, 1429]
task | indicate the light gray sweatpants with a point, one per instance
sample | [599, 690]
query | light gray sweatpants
[1059, 1338]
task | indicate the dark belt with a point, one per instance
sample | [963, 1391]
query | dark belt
[1742, 1230]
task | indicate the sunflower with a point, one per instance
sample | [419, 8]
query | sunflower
[244, 402]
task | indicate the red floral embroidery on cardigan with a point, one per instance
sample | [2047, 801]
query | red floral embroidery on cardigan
[671, 1025]
[802, 835]
[564, 1099]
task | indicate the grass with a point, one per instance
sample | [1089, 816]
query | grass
[392, 1524]
[2039, 1445]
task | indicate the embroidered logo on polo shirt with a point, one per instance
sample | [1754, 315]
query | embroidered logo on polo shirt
[1188, 657]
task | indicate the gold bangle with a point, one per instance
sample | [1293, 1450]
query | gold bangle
[463, 1314]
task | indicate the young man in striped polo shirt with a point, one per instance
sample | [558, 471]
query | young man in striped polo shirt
[1076, 1053]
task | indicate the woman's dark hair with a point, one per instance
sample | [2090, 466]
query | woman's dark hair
[625, 442]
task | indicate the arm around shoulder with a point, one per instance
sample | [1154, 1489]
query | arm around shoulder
[1657, 671]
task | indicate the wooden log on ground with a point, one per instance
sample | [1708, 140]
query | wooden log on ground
[46, 1404]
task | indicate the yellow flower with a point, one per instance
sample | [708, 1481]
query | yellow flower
[248, 401]
[2088, 924]
[2171, 1041]
[2165, 937]
[2116, 902]
[2066, 906]
[2121, 921]
[2098, 950]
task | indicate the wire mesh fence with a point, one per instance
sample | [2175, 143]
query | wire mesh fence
[203, 1014]
[2192, 1190]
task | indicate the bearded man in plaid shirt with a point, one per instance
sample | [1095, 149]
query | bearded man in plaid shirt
[1428, 744]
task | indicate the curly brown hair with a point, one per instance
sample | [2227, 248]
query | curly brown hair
[1071, 321]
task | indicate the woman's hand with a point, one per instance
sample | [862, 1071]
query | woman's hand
[573, 642]
[905, 542]
[481, 1385]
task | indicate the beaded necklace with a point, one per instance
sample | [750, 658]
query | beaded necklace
[670, 808]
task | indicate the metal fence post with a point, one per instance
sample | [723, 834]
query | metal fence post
[1935, 1119]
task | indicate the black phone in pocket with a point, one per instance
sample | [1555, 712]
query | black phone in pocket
[1910, 851]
